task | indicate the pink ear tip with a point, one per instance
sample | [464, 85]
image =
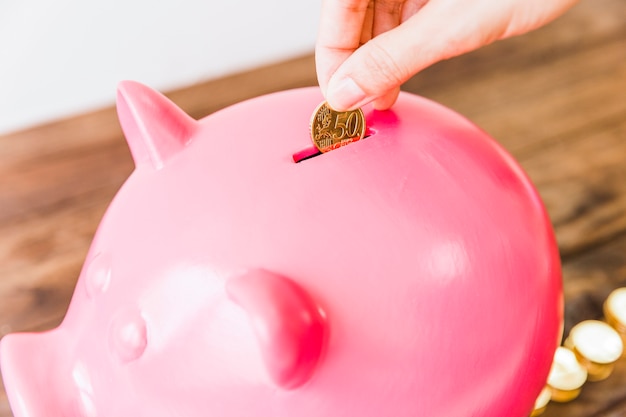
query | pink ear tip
[155, 128]
[129, 85]
[128, 88]
[290, 326]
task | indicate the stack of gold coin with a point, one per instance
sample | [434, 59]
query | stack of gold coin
[331, 129]
[590, 353]
[567, 376]
[597, 346]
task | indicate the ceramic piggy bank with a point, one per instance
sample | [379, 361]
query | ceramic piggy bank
[412, 273]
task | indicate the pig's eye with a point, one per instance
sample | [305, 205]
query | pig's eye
[98, 274]
[128, 335]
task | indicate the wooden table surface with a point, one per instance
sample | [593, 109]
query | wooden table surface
[555, 98]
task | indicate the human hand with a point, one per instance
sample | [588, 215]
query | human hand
[367, 48]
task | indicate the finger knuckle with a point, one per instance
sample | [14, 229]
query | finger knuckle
[393, 7]
[384, 66]
[353, 6]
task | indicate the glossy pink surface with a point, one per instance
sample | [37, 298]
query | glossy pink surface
[413, 273]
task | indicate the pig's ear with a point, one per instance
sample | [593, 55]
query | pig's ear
[155, 128]
[29, 365]
[290, 327]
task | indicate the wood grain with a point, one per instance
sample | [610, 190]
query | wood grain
[555, 98]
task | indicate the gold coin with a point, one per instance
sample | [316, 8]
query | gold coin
[331, 129]
[567, 375]
[597, 346]
[615, 310]
[542, 402]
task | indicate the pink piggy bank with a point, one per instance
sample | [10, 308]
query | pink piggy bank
[412, 273]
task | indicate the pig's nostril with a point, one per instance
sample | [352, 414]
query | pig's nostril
[83, 406]
[98, 274]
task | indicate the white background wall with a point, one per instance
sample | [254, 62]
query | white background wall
[63, 57]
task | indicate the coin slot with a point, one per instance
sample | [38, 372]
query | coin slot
[312, 151]
[305, 154]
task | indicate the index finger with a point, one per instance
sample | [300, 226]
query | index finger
[341, 24]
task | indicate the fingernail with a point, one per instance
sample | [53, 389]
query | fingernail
[345, 94]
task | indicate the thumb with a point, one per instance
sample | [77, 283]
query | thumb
[378, 68]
